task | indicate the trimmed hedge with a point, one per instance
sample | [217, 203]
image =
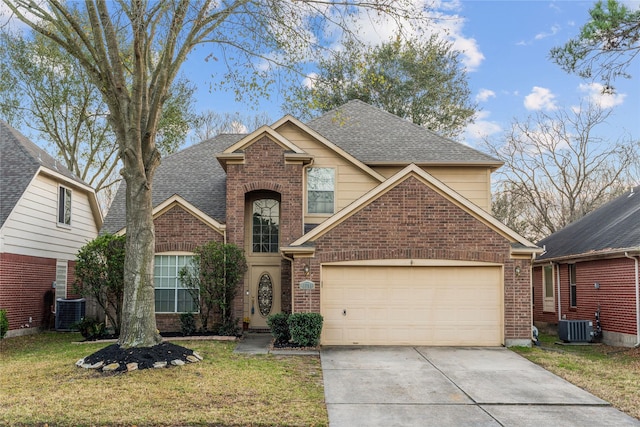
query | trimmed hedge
[305, 328]
[279, 327]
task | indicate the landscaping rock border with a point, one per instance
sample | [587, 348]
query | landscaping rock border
[113, 358]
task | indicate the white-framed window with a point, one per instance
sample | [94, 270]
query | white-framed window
[64, 206]
[320, 190]
[573, 294]
[171, 295]
[548, 300]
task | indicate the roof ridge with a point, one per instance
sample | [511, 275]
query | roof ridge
[39, 155]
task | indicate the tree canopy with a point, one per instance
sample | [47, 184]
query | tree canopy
[47, 90]
[557, 169]
[421, 80]
[132, 53]
[606, 46]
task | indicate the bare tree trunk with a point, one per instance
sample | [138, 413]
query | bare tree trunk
[138, 315]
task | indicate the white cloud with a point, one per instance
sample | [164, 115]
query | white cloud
[375, 28]
[484, 95]
[553, 31]
[481, 128]
[596, 94]
[540, 98]
[310, 80]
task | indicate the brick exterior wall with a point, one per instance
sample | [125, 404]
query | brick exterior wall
[23, 284]
[179, 231]
[265, 170]
[616, 295]
[413, 221]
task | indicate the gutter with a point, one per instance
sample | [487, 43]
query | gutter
[558, 280]
[626, 254]
[588, 256]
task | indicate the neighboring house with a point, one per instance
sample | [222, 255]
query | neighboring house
[593, 264]
[378, 224]
[46, 215]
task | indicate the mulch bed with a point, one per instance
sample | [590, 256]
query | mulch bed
[277, 345]
[145, 357]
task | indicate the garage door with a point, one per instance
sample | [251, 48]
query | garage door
[457, 306]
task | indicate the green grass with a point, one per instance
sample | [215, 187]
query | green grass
[611, 373]
[41, 385]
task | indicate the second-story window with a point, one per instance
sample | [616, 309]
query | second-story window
[320, 190]
[64, 206]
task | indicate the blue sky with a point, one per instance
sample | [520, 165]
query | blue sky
[505, 46]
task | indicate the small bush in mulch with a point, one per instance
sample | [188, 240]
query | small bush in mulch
[145, 357]
[305, 328]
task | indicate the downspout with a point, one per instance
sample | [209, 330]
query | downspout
[558, 279]
[626, 254]
[293, 300]
[304, 168]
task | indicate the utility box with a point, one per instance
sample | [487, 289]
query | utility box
[68, 313]
[575, 330]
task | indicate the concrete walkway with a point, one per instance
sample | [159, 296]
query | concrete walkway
[436, 386]
[254, 343]
[260, 343]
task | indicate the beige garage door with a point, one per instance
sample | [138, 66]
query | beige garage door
[457, 306]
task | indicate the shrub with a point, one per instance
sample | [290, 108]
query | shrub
[213, 279]
[279, 327]
[4, 323]
[229, 328]
[91, 329]
[187, 323]
[100, 275]
[305, 328]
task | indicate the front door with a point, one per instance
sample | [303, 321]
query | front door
[264, 294]
[262, 238]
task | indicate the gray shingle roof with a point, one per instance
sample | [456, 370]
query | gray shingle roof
[193, 173]
[375, 136]
[368, 133]
[20, 159]
[614, 226]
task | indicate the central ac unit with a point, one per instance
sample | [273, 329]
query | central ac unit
[68, 313]
[575, 330]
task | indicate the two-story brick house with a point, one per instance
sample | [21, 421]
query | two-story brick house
[378, 224]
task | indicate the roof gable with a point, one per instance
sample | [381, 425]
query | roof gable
[612, 228]
[414, 171]
[20, 161]
[259, 133]
[328, 144]
[377, 137]
[176, 200]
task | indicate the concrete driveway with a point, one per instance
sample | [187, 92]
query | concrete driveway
[445, 386]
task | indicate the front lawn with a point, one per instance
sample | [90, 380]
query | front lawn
[611, 373]
[40, 384]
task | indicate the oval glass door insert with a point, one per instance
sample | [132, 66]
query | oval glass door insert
[265, 294]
